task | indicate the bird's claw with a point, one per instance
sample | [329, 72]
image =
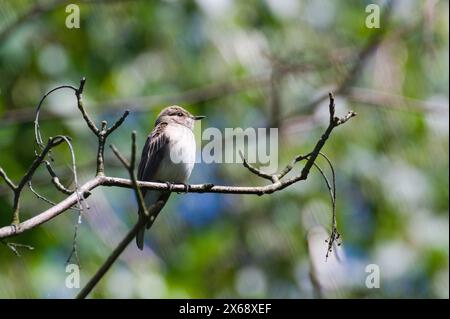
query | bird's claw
[186, 188]
[15, 227]
[169, 186]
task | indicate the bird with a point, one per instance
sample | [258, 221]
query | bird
[168, 156]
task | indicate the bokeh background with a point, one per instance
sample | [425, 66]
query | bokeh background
[243, 64]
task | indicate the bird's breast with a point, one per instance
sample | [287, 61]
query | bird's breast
[179, 158]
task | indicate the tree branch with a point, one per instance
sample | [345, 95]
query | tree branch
[17, 190]
[55, 180]
[46, 149]
[102, 133]
[255, 170]
[8, 181]
[14, 247]
[117, 252]
[149, 215]
[102, 180]
[142, 222]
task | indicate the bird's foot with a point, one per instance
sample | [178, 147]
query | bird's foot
[169, 186]
[186, 188]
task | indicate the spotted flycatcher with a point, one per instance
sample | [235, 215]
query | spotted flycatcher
[168, 155]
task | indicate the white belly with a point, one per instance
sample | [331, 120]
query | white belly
[178, 162]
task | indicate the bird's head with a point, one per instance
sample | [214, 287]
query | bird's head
[176, 114]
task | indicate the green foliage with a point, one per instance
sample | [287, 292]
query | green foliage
[391, 160]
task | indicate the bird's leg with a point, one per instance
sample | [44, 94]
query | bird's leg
[169, 186]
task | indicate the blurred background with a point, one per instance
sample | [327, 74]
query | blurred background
[267, 63]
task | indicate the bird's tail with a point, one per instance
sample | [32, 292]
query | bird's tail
[150, 198]
[140, 238]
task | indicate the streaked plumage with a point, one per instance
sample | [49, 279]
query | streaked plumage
[168, 154]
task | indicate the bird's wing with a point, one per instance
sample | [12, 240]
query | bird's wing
[153, 153]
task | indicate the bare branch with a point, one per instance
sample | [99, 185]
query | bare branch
[335, 235]
[102, 180]
[344, 119]
[52, 142]
[86, 117]
[291, 165]
[118, 123]
[255, 170]
[122, 159]
[130, 166]
[141, 223]
[43, 198]
[333, 123]
[74, 251]
[38, 138]
[8, 181]
[37, 132]
[276, 185]
[331, 188]
[102, 133]
[327, 182]
[149, 216]
[80, 202]
[12, 230]
[117, 252]
[133, 159]
[48, 201]
[14, 246]
[55, 180]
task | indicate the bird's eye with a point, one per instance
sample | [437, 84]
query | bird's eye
[179, 114]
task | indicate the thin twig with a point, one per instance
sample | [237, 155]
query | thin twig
[83, 191]
[86, 117]
[276, 185]
[43, 198]
[8, 181]
[52, 212]
[291, 165]
[48, 201]
[14, 246]
[118, 123]
[37, 132]
[255, 170]
[102, 133]
[74, 251]
[55, 180]
[117, 252]
[142, 222]
[80, 202]
[52, 142]
[334, 235]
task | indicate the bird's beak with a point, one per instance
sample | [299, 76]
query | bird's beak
[199, 117]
